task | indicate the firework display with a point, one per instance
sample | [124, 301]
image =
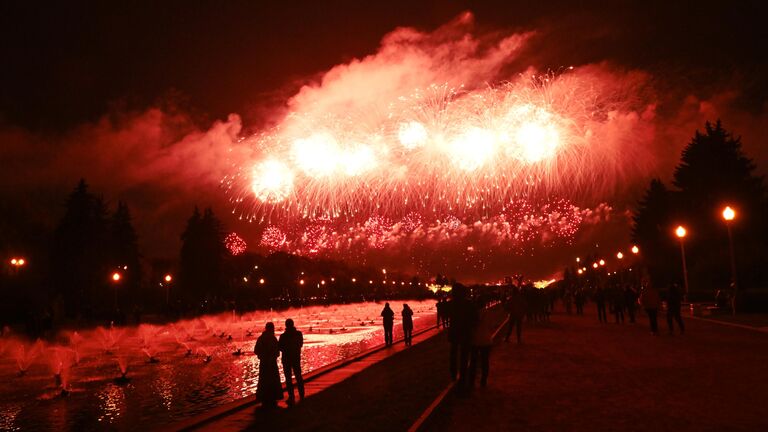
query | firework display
[235, 244]
[489, 168]
[438, 151]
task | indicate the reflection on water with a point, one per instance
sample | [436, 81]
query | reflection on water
[8, 414]
[181, 383]
[112, 404]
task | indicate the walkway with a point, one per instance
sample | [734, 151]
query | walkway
[578, 375]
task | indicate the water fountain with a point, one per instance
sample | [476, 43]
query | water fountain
[183, 385]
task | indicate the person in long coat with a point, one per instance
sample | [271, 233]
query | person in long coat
[651, 301]
[269, 389]
[407, 324]
[388, 318]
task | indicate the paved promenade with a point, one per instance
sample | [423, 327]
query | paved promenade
[571, 374]
[576, 374]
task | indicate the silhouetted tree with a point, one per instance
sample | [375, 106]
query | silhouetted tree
[652, 232]
[202, 259]
[124, 250]
[713, 172]
[79, 264]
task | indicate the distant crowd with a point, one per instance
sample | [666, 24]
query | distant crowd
[474, 320]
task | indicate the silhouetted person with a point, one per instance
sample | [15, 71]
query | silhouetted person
[578, 300]
[618, 302]
[599, 298]
[407, 314]
[482, 341]
[290, 344]
[463, 318]
[441, 312]
[269, 390]
[650, 301]
[516, 309]
[674, 300]
[630, 300]
[388, 316]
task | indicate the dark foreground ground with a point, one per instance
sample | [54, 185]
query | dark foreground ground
[572, 374]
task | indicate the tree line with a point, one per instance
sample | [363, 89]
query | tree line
[88, 268]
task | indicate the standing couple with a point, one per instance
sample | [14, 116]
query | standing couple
[388, 316]
[268, 348]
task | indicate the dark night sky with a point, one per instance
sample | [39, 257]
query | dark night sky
[67, 65]
[68, 62]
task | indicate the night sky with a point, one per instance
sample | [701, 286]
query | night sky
[102, 90]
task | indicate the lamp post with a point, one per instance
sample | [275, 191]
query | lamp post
[168, 278]
[729, 215]
[681, 232]
[116, 276]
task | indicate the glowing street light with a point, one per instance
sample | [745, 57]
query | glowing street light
[261, 281]
[354, 280]
[301, 281]
[578, 259]
[681, 232]
[579, 271]
[729, 215]
[602, 262]
[116, 277]
[167, 278]
[18, 263]
[620, 255]
[594, 265]
[635, 250]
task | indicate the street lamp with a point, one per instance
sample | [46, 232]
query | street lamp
[635, 250]
[681, 232]
[602, 262]
[619, 255]
[729, 215]
[116, 276]
[167, 278]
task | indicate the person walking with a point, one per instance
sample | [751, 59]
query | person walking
[630, 300]
[516, 308]
[269, 390]
[618, 303]
[482, 341]
[578, 300]
[599, 298]
[388, 318]
[290, 344]
[463, 318]
[407, 314]
[674, 302]
[650, 301]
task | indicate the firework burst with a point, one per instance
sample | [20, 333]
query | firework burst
[436, 152]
